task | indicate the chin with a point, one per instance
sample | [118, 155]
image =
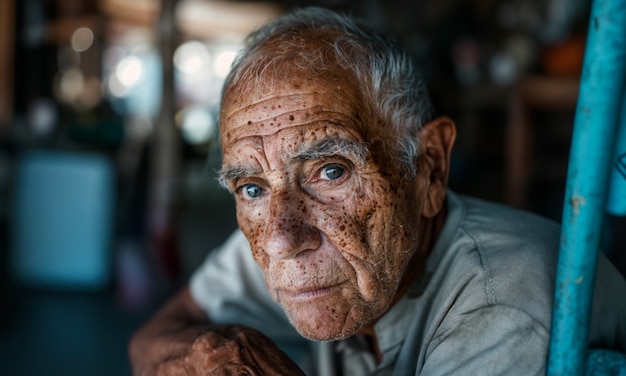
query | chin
[328, 324]
[324, 332]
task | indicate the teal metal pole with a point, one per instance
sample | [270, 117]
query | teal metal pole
[593, 142]
[616, 202]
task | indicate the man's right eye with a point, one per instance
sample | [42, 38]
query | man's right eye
[250, 191]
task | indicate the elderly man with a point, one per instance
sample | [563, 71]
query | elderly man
[349, 235]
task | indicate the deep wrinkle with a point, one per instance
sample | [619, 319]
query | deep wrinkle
[295, 117]
[254, 103]
[230, 174]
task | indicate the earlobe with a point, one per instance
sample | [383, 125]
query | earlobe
[438, 138]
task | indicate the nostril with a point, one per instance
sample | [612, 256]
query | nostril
[285, 238]
[280, 239]
[289, 230]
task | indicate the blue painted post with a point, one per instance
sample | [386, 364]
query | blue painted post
[595, 126]
[616, 202]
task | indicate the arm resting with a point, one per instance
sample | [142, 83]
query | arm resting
[167, 334]
[180, 340]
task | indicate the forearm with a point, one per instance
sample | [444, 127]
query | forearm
[180, 340]
[168, 333]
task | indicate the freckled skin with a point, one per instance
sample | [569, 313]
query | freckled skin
[334, 252]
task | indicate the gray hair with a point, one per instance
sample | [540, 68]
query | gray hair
[386, 75]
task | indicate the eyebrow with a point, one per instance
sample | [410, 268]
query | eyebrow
[231, 173]
[336, 146]
[329, 147]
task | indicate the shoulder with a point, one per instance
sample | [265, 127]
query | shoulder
[508, 240]
[491, 284]
[512, 245]
[496, 339]
[492, 223]
[498, 255]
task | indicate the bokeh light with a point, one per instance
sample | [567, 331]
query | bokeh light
[70, 84]
[129, 71]
[223, 62]
[193, 59]
[42, 116]
[197, 123]
[82, 39]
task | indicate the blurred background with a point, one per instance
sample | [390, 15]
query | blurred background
[108, 154]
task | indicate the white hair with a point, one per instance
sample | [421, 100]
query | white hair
[387, 77]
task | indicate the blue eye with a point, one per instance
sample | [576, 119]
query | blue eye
[251, 190]
[332, 172]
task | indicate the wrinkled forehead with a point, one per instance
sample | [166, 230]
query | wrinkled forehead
[298, 99]
[268, 117]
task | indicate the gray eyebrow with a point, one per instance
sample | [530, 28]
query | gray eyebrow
[334, 146]
[325, 148]
[230, 173]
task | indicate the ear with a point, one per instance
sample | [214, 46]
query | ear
[434, 162]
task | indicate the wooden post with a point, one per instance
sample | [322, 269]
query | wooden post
[166, 155]
[7, 37]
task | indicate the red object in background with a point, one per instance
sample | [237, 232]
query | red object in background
[566, 58]
[166, 243]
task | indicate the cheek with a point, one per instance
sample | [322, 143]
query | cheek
[344, 225]
[361, 224]
[390, 229]
[401, 230]
[252, 228]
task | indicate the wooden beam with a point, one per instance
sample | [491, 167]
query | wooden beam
[139, 12]
[7, 40]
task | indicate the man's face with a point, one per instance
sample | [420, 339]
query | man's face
[329, 220]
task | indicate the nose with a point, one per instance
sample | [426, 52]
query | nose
[289, 230]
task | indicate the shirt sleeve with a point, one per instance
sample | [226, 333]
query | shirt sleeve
[491, 340]
[230, 287]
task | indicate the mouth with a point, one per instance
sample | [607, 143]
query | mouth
[307, 293]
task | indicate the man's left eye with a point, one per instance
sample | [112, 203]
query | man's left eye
[332, 172]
